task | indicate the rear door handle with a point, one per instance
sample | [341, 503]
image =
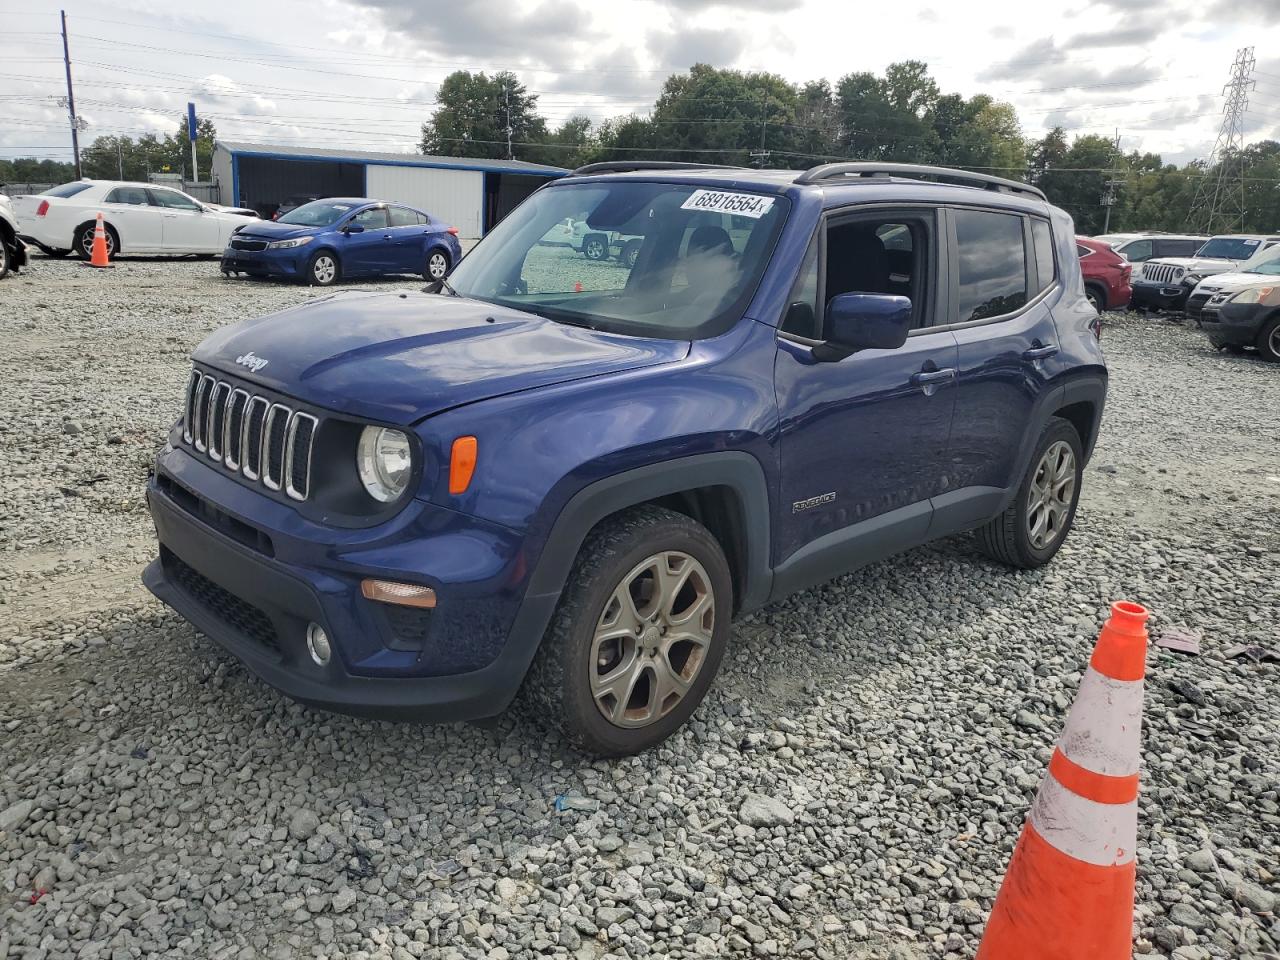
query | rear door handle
[925, 377]
[1040, 353]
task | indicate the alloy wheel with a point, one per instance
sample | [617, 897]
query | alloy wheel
[437, 266]
[595, 250]
[1273, 342]
[652, 639]
[324, 269]
[1052, 491]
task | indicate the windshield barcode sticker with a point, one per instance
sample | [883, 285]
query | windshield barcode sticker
[739, 204]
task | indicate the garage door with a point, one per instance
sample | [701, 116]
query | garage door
[455, 196]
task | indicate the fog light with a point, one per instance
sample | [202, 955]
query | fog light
[318, 644]
[402, 594]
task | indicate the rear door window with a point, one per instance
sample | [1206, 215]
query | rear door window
[402, 217]
[992, 259]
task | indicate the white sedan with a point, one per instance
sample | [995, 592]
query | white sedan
[139, 218]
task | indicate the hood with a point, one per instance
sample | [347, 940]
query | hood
[1236, 281]
[270, 230]
[1201, 265]
[401, 357]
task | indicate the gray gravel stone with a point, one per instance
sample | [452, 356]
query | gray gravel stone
[761, 811]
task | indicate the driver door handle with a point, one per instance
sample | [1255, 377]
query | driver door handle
[933, 376]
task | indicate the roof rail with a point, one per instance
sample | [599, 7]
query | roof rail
[916, 171]
[625, 166]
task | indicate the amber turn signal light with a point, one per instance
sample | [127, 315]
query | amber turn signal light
[462, 464]
[401, 594]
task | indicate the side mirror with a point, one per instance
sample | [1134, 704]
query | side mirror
[865, 321]
[353, 228]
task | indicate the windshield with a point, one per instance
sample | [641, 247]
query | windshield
[318, 213]
[648, 259]
[1229, 248]
[1264, 261]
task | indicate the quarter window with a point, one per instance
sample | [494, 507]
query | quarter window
[993, 264]
[1042, 240]
[1082, 251]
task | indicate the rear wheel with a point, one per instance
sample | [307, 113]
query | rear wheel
[437, 267]
[84, 241]
[323, 269]
[630, 253]
[638, 635]
[1269, 339]
[1096, 298]
[1031, 530]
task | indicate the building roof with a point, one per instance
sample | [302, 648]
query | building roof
[282, 152]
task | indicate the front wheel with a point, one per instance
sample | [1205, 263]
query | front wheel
[437, 267]
[4, 258]
[638, 636]
[322, 269]
[1031, 530]
[1269, 340]
[84, 241]
[595, 246]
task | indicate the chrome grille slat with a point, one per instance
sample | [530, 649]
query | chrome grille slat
[263, 440]
[274, 433]
[297, 455]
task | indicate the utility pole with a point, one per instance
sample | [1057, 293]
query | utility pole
[120, 157]
[761, 156]
[1109, 194]
[71, 97]
[1217, 204]
[506, 92]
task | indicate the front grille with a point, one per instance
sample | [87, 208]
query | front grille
[1161, 273]
[244, 618]
[240, 243]
[253, 435]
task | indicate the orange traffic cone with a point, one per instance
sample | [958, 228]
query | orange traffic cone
[98, 257]
[1068, 892]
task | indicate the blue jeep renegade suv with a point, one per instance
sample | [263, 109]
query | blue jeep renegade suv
[568, 475]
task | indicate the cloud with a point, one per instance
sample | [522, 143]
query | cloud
[681, 49]
[762, 6]
[1132, 35]
[1046, 64]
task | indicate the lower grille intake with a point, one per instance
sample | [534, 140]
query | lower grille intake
[244, 618]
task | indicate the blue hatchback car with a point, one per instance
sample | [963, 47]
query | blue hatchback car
[344, 237]
[566, 476]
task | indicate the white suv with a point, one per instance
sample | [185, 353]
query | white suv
[1165, 284]
[139, 218]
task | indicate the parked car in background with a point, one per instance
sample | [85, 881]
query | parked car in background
[13, 252]
[1165, 284]
[1106, 274]
[1247, 314]
[139, 218]
[569, 481]
[1262, 267]
[326, 240]
[1149, 246]
[293, 203]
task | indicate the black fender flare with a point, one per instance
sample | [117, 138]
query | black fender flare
[740, 472]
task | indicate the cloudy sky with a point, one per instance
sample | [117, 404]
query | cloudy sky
[363, 72]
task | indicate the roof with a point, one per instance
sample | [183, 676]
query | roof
[281, 152]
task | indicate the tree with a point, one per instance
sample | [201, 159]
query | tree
[123, 158]
[31, 170]
[477, 114]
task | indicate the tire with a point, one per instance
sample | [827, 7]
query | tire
[437, 266]
[5, 258]
[84, 242]
[625, 550]
[323, 269]
[595, 246]
[630, 253]
[1269, 340]
[1009, 538]
[1097, 298]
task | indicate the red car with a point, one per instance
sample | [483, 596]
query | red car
[1106, 275]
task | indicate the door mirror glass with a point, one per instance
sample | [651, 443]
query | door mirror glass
[868, 321]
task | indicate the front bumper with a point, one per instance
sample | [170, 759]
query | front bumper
[269, 263]
[1234, 323]
[1158, 296]
[254, 588]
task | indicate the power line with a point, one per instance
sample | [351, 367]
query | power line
[1216, 202]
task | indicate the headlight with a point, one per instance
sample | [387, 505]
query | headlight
[385, 461]
[289, 244]
[1178, 273]
[1253, 295]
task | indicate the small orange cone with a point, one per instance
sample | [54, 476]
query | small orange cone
[1068, 892]
[98, 257]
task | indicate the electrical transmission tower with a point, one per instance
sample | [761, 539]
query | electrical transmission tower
[1219, 197]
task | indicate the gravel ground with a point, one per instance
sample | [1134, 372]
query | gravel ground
[851, 788]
